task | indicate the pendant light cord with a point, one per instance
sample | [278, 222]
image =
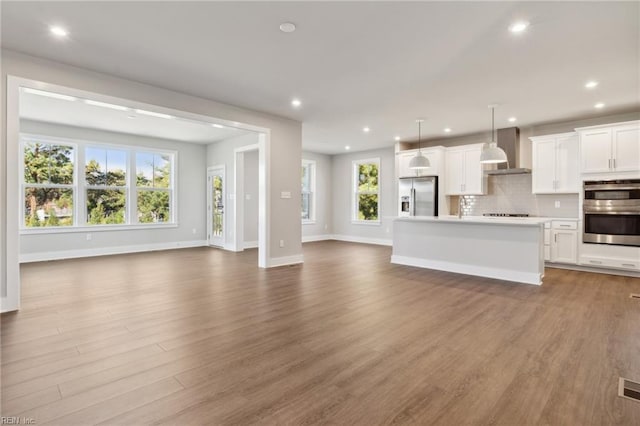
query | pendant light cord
[419, 137]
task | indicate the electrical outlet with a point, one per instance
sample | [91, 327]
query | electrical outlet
[557, 204]
[326, 226]
[281, 243]
[89, 237]
[387, 230]
[193, 231]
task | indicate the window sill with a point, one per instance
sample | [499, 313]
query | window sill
[308, 222]
[366, 222]
[95, 228]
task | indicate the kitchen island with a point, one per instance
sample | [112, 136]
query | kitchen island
[509, 249]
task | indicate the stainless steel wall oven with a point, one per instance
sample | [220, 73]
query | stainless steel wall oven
[612, 212]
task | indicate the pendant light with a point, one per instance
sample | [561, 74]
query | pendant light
[492, 154]
[419, 162]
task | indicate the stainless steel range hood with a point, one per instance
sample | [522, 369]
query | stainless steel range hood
[509, 141]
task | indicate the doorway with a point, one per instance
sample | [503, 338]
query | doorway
[215, 206]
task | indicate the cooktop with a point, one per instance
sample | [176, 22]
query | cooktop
[506, 214]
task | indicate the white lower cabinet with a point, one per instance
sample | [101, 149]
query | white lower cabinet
[561, 242]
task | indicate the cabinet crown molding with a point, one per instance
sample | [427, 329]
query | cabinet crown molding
[604, 126]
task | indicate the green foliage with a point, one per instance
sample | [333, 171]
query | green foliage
[368, 207]
[153, 206]
[48, 164]
[368, 191]
[105, 206]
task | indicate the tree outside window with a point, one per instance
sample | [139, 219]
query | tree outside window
[366, 190]
[153, 182]
[48, 184]
[106, 185]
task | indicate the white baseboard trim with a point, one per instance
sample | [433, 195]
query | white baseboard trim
[284, 261]
[482, 271]
[105, 251]
[312, 238]
[250, 244]
[363, 240]
[620, 272]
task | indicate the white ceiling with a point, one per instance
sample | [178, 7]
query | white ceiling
[356, 64]
[79, 114]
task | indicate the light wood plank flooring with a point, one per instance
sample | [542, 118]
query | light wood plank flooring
[202, 336]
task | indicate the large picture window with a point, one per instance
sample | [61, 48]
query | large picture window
[308, 207]
[366, 191]
[73, 184]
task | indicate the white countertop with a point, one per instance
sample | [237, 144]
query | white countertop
[513, 221]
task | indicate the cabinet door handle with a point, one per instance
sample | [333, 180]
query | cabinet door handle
[609, 163]
[555, 238]
[629, 264]
[597, 262]
[565, 226]
[614, 163]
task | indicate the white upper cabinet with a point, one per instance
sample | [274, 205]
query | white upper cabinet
[555, 164]
[464, 174]
[610, 148]
[435, 156]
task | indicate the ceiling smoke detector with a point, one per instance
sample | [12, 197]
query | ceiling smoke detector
[287, 27]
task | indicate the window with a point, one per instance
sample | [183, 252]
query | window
[308, 191]
[105, 179]
[366, 191]
[153, 184]
[73, 184]
[48, 184]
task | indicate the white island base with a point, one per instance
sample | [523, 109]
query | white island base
[506, 249]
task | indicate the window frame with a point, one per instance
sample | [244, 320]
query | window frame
[312, 191]
[80, 214]
[355, 193]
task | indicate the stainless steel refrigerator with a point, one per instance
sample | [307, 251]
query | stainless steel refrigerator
[418, 196]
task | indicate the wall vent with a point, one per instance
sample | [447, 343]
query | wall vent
[629, 389]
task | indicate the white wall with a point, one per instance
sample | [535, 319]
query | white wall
[322, 226]
[283, 163]
[342, 170]
[251, 199]
[191, 202]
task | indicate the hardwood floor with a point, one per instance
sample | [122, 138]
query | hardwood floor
[202, 336]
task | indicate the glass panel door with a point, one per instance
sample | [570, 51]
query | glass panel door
[215, 180]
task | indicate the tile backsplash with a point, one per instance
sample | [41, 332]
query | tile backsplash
[512, 194]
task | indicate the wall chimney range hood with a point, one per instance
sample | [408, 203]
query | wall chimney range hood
[509, 141]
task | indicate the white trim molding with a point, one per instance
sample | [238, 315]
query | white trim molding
[104, 251]
[250, 244]
[459, 268]
[312, 238]
[286, 260]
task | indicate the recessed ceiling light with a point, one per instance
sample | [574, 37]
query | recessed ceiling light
[447, 130]
[512, 119]
[153, 114]
[599, 105]
[296, 103]
[218, 126]
[347, 147]
[518, 27]
[105, 105]
[58, 31]
[591, 84]
[287, 27]
[49, 94]
[366, 129]
[397, 138]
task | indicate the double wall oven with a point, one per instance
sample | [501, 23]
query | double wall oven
[612, 212]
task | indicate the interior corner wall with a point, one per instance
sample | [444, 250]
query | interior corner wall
[285, 143]
[190, 204]
[342, 170]
[321, 228]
